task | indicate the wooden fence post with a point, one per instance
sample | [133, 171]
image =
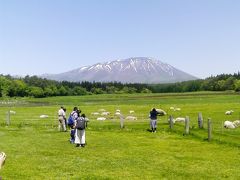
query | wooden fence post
[200, 120]
[209, 129]
[8, 118]
[121, 121]
[171, 122]
[187, 125]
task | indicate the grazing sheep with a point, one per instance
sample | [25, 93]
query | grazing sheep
[229, 112]
[101, 118]
[131, 111]
[178, 119]
[118, 110]
[131, 118]
[117, 113]
[95, 113]
[44, 116]
[2, 159]
[172, 108]
[229, 125]
[12, 112]
[105, 113]
[177, 109]
[161, 112]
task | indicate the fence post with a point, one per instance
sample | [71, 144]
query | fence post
[200, 120]
[209, 129]
[171, 122]
[8, 118]
[121, 121]
[187, 125]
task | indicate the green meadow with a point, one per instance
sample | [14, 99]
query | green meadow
[37, 150]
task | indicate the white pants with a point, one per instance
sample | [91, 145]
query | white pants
[80, 136]
[61, 125]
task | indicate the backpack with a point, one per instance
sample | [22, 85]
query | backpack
[80, 123]
[70, 120]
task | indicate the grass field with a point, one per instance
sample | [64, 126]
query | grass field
[36, 150]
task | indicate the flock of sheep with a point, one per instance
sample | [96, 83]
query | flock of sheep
[105, 115]
[102, 115]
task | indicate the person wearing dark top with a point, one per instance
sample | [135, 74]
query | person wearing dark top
[153, 119]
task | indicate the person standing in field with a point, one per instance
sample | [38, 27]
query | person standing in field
[153, 119]
[80, 127]
[65, 118]
[74, 114]
[61, 119]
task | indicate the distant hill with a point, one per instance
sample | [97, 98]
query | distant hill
[131, 70]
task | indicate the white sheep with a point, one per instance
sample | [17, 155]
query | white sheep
[117, 113]
[178, 119]
[118, 110]
[105, 113]
[177, 109]
[229, 112]
[131, 118]
[43, 116]
[172, 108]
[161, 112]
[101, 118]
[2, 159]
[12, 112]
[229, 125]
[95, 113]
[131, 111]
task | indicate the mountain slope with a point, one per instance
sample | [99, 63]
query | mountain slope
[132, 70]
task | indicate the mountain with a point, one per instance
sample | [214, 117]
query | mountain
[131, 70]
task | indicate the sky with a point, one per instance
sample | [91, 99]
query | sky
[199, 37]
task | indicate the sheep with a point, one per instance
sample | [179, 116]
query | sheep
[178, 119]
[43, 116]
[2, 159]
[229, 125]
[12, 112]
[161, 112]
[95, 113]
[131, 111]
[118, 110]
[105, 113]
[229, 112]
[172, 108]
[117, 113]
[131, 118]
[175, 109]
[101, 118]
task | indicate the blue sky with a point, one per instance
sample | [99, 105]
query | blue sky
[200, 37]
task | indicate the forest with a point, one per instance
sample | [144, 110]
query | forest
[33, 86]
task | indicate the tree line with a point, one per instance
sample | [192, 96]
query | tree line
[33, 86]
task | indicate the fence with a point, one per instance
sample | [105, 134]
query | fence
[196, 126]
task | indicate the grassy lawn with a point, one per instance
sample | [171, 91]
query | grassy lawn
[36, 150]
